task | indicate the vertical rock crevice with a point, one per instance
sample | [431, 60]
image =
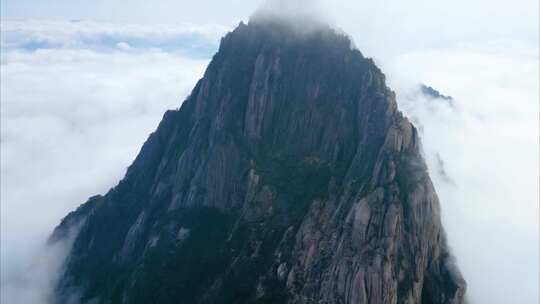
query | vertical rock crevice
[287, 176]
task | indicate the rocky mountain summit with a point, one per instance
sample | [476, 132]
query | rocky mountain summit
[287, 176]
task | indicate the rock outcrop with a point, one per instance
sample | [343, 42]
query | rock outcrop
[287, 176]
[431, 93]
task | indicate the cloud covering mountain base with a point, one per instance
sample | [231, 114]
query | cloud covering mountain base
[79, 100]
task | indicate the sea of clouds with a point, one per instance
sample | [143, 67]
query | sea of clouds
[483, 154]
[78, 99]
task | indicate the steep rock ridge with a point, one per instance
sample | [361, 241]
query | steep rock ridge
[287, 176]
[430, 92]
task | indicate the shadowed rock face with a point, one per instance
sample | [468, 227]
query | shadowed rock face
[431, 93]
[287, 176]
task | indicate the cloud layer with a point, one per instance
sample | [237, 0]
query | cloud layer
[80, 98]
[187, 39]
[488, 143]
[73, 118]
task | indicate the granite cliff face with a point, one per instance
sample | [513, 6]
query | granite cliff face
[287, 176]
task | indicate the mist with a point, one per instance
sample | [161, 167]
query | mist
[37, 282]
[97, 89]
[301, 11]
[487, 140]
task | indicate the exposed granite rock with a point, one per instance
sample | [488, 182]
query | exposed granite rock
[287, 176]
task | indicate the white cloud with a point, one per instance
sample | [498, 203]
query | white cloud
[123, 46]
[188, 39]
[383, 25]
[389, 28]
[37, 282]
[489, 144]
[292, 10]
[72, 120]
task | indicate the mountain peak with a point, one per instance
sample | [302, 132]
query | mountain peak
[267, 26]
[287, 176]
